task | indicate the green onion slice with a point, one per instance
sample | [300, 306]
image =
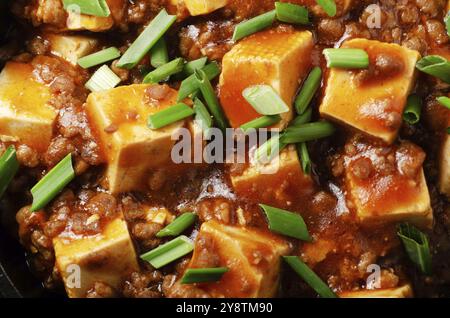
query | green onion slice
[190, 84]
[311, 278]
[146, 40]
[203, 275]
[444, 101]
[190, 67]
[211, 99]
[169, 115]
[158, 53]
[447, 22]
[307, 132]
[416, 246]
[99, 57]
[178, 226]
[261, 122]
[169, 252]
[346, 58]
[329, 6]
[286, 223]
[302, 149]
[254, 25]
[291, 13]
[265, 100]
[413, 110]
[103, 79]
[435, 65]
[308, 90]
[164, 71]
[8, 168]
[98, 8]
[202, 116]
[448, 130]
[269, 150]
[302, 119]
[52, 183]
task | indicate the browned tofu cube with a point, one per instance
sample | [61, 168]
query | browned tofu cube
[404, 291]
[251, 256]
[280, 58]
[387, 183]
[279, 182]
[25, 112]
[132, 150]
[372, 100]
[108, 258]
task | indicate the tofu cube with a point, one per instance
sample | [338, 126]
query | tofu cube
[278, 57]
[25, 113]
[444, 176]
[71, 47]
[77, 22]
[372, 100]
[252, 257]
[200, 7]
[342, 6]
[131, 148]
[381, 188]
[109, 258]
[404, 291]
[277, 183]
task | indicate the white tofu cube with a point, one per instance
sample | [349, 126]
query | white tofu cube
[404, 291]
[251, 256]
[108, 258]
[71, 47]
[380, 191]
[279, 182]
[373, 103]
[119, 117]
[278, 57]
[25, 113]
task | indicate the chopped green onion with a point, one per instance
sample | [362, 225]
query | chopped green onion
[178, 226]
[169, 115]
[203, 275]
[444, 101]
[291, 13]
[158, 53]
[346, 58]
[8, 168]
[52, 183]
[211, 99]
[308, 90]
[302, 119]
[254, 25]
[448, 130]
[261, 122]
[190, 67]
[268, 150]
[311, 278]
[190, 84]
[329, 6]
[168, 252]
[286, 223]
[146, 40]
[202, 116]
[435, 65]
[99, 57]
[302, 149]
[447, 22]
[104, 78]
[413, 110]
[97, 8]
[265, 100]
[164, 71]
[307, 132]
[417, 246]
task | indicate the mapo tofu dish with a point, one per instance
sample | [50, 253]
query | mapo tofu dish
[228, 148]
